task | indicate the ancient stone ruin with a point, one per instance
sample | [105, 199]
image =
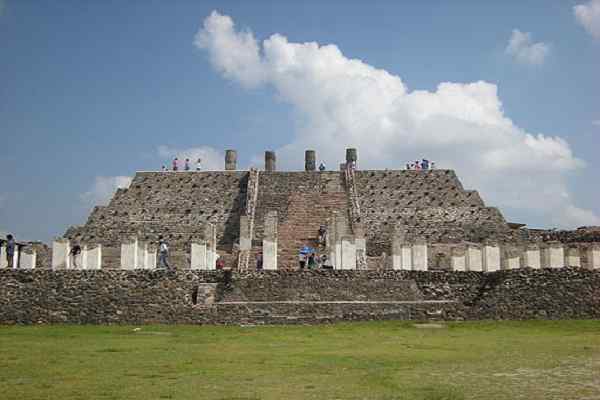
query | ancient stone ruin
[399, 244]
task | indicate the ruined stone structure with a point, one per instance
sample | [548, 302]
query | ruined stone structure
[402, 245]
[367, 205]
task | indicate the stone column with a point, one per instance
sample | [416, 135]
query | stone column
[572, 258]
[341, 230]
[198, 255]
[593, 256]
[129, 253]
[511, 258]
[28, 258]
[270, 161]
[458, 257]
[210, 235]
[360, 241]
[93, 256]
[491, 257]
[230, 160]
[330, 240]
[142, 254]
[151, 256]
[245, 235]
[474, 260]
[3, 261]
[270, 241]
[351, 155]
[60, 254]
[531, 257]
[348, 249]
[553, 256]
[310, 160]
[419, 255]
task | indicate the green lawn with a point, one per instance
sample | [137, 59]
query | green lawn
[383, 360]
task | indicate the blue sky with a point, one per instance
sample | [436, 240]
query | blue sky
[94, 89]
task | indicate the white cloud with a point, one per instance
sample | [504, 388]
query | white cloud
[347, 103]
[588, 15]
[212, 160]
[596, 122]
[523, 50]
[103, 189]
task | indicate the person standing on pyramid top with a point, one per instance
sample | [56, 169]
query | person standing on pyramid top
[175, 162]
[186, 166]
[199, 165]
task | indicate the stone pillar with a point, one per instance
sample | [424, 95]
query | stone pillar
[198, 256]
[572, 258]
[80, 260]
[28, 258]
[60, 254]
[142, 255]
[491, 258]
[553, 256]
[3, 261]
[593, 256]
[270, 241]
[419, 256]
[245, 234]
[129, 254]
[531, 257]
[151, 256]
[330, 240]
[270, 161]
[310, 160]
[341, 230]
[458, 260]
[511, 258]
[210, 235]
[93, 256]
[473, 259]
[351, 155]
[230, 160]
[360, 241]
[348, 250]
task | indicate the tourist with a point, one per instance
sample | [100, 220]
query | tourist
[417, 166]
[312, 262]
[408, 166]
[75, 251]
[302, 260]
[432, 165]
[322, 234]
[325, 262]
[10, 250]
[163, 168]
[175, 162]
[220, 264]
[322, 167]
[163, 253]
[199, 164]
[425, 164]
[186, 166]
[259, 261]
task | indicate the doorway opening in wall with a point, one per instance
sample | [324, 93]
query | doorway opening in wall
[195, 296]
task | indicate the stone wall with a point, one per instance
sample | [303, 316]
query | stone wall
[138, 297]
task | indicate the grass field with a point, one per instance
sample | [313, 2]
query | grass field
[385, 360]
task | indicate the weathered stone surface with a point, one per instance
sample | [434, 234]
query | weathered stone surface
[159, 296]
